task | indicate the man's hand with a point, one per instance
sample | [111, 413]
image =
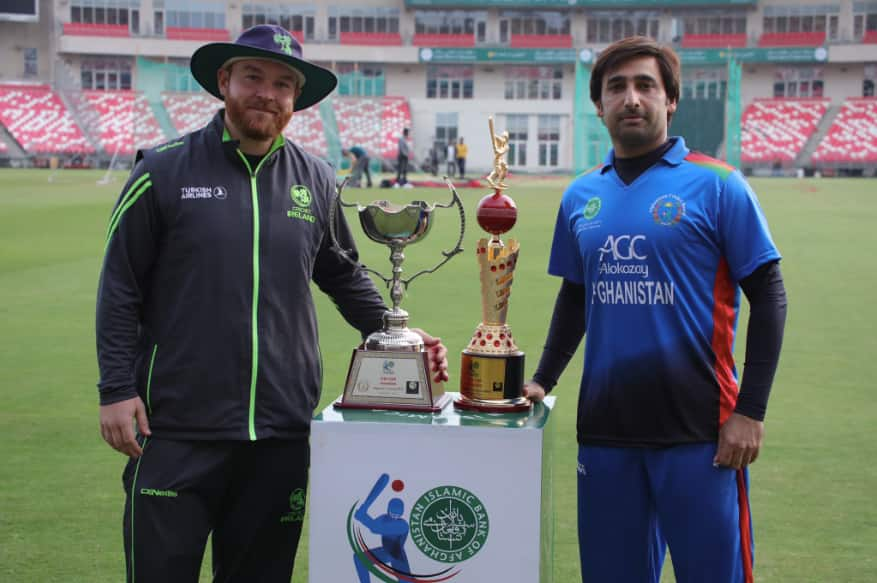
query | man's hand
[534, 391]
[437, 353]
[740, 440]
[117, 428]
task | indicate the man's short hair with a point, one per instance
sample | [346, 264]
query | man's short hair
[634, 47]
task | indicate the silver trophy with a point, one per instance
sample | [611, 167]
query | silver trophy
[390, 369]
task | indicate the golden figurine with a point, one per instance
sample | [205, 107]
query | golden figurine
[500, 166]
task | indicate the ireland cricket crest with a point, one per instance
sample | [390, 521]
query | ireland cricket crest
[447, 524]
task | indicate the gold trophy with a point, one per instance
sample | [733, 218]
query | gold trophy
[492, 372]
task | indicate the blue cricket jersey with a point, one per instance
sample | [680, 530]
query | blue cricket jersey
[660, 259]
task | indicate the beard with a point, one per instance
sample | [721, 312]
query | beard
[257, 119]
[645, 133]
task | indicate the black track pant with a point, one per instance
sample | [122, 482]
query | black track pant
[249, 495]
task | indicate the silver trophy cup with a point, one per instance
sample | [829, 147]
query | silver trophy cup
[390, 369]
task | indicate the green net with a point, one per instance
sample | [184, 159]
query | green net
[590, 138]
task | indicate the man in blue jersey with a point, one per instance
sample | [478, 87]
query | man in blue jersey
[654, 247]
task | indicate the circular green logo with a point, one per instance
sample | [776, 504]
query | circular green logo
[593, 207]
[449, 524]
[301, 196]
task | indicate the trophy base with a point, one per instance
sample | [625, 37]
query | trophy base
[492, 383]
[393, 381]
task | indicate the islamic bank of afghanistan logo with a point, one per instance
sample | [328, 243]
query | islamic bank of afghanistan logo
[668, 210]
[449, 524]
[592, 208]
[300, 195]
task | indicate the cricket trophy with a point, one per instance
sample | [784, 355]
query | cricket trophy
[492, 372]
[390, 370]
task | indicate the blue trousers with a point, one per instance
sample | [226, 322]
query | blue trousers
[634, 503]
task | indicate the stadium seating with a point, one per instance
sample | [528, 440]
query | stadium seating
[541, 41]
[39, 121]
[212, 34]
[870, 37]
[775, 130]
[852, 136]
[306, 130]
[395, 116]
[443, 40]
[189, 111]
[792, 39]
[382, 39]
[125, 121]
[719, 41]
[373, 123]
[3, 147]
[83, 29]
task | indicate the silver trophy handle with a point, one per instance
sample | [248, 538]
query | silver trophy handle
[336, 246]
[455, 200]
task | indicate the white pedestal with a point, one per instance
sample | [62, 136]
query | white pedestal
[474, 491]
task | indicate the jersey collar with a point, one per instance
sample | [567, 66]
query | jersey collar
[673, 157]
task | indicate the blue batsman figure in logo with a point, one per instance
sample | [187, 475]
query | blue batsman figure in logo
[392, 528]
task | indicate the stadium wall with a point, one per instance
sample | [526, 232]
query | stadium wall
[17, 37]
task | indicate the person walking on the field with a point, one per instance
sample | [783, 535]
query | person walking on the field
[206, 328]
[402, 159]
[654, 247]
[461, 151]
[359, 161]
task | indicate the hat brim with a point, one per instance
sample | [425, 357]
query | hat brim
[207, 60]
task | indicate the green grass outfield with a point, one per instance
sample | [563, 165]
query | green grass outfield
[814, 485]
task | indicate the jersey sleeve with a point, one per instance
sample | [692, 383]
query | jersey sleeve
[565, 260]
[742, 229]
[129, 253]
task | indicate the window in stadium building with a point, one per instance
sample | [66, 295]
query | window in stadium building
[512, 23]
[291, 17]
[864, 19]
[786, 18]
[105, 74]
[363, 79]
[610, 26]
[204, 15]
[116, 12]
[449, 82]
[452, 22]
[516, 125]
[534, 82]
[704, 83]
[549, 140]
[446, 131]
[372, 20]
[714, 22]
[31, 66]
[798, 82]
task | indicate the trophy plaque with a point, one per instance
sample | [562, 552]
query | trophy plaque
[390, 370]
[492, 372]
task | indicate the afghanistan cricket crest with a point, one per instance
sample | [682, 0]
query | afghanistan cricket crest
[447, 524]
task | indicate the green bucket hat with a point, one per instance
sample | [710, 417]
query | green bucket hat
[265, 41]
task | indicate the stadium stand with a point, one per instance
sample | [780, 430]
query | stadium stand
[359, 122]
[39, 121]
[718, 41]
[443, 40]
[306, 130]
[125, 121]
[791, 39]
[101, 30]
[541, 41]
[189, 111]
[852, 137]
[775, 130]
[870, 37]
[395, 116]
[3, 147]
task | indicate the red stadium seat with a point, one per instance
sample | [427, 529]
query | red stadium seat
[870, 37]
[83, 29]
[852, 136]
[777, 129]
[39, 121]
[371, 38]
[718, 41]
[443, 40]
[212, 34]
[125, 121]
